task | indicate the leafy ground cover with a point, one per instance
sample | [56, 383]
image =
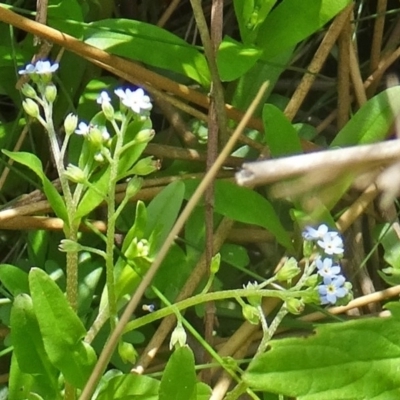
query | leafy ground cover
[199, 199]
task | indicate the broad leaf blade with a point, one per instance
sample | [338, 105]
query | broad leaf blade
[373, 121]
[281, 136]
[179, 376]
[292, 21]
[33, 162]
[14, 279]
[350, 360]
[133, 39]
[61, 329]
[130, 386]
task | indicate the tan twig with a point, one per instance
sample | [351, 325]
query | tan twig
[317, 63]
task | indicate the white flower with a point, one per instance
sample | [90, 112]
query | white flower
[316, 234]
[41, 67]
[45, 67]
[331, 244]
[83, 129]
[103, 98]
[326, 268]
[136, 100]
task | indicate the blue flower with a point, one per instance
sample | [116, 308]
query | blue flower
[316, 234]
[331, 244]
[332, 290]
[40, 68]
[327, 269]
[136, 100]
[83, 129]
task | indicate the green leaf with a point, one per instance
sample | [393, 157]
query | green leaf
[281, 136]
[14, 279]
[133, 39]
[33, 162]
[131, 386]
[235, 255]
[244, 205]
[292, 21]
[349, 360]
[163, 211]
[372, 121]
[250, 15]
[92, 198]
[179, 378]
[61, 329]
[245, 57]
[249, 84]
[29, 349]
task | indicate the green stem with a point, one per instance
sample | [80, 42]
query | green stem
[111, 217]
[71, 228]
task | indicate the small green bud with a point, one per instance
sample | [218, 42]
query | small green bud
[178, 337]
[145, 166]
[295, 306]
[311, 296]
[50, 92]
[127, 352]
[95, 137]
[133, 186]
[312, 281]
[108, 110]
[75, 174]
[31, 108]
[67, 246]
[308, 248]
[144, 136]
[137, 248]
[254, 300]
[70, 124]
[215, 263]
[289, 270]
[250, 313]
[98, 157]
[28, 91]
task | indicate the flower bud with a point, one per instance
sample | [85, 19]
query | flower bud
[127, 352]
[178, 337]
[311, 296]
[289, 270]
[98, 157]
[295, 306]
[108, 110]
[145, 166]
[133, 186]
[95, 137]
[144, 136]
[215, 263]
[67, 246]
[28, 91]
[50, 93]
[251, 314]
[31, 108]
[75, 174]
[254, 300]
[308, 248]
[70, 124]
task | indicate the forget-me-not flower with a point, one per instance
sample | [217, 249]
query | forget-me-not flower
[315, 234]
[41, 67]
[136, 100]
[331, 244]
[103, 98]
[326, 269]
[83, 129]
[332, 290]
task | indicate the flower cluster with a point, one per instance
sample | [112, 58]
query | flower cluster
[329, 246]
